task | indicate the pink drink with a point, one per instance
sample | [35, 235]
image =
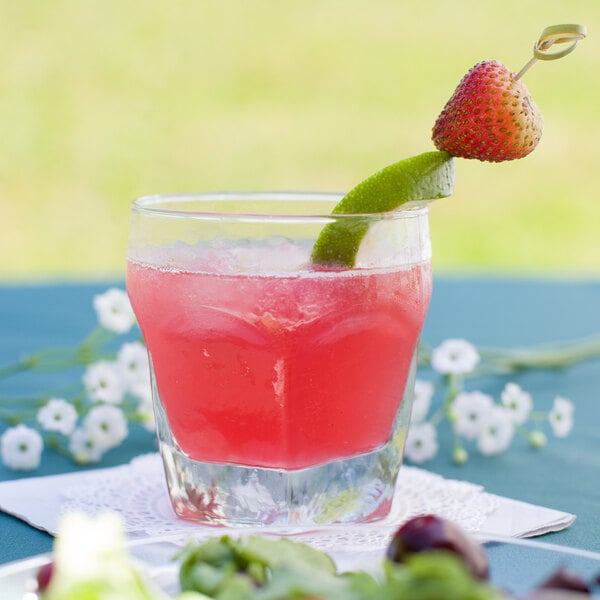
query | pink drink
[280, 370]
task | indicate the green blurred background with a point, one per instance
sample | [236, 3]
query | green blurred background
[102, 101]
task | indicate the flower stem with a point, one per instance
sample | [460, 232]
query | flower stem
[90, 348]
[57, 359]
[54, 444]
[14, 368]
[14, 418]
[453, 388]
[555, 356]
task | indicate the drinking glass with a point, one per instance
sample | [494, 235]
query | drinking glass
[282, 389]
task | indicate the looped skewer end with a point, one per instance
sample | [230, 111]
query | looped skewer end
[568, 33]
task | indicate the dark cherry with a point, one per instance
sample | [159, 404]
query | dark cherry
[430, 532]
[44, 575]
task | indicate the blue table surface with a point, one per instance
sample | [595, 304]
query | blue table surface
[489, 312]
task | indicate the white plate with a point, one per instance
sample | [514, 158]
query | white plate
[515, 565]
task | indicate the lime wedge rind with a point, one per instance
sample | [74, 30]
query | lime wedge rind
[411, 182]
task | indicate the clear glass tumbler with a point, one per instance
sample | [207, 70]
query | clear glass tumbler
[282, 389]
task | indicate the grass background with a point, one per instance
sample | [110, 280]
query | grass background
[102, 101]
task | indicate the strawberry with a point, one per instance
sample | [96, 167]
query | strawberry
[490, 116]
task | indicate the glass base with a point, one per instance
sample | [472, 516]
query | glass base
[359, 489]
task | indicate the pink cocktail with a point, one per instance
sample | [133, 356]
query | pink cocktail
[282, 389]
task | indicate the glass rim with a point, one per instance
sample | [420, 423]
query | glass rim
[156, 205]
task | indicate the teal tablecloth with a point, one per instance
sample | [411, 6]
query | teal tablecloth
[565, 475]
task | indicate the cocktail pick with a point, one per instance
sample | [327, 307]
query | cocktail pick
[545, 47]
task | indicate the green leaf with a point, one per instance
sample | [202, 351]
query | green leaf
[256, 567]
[276, 552]
[433, 575]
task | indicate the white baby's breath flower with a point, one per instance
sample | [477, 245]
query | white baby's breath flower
[470, 411]
[145, 411]
[142, 390]
[421, 442]
[497, 432]
[57, 415]
[106, 425]
[103, 382]
[132, 359]
[21, 448]
[421, 400]
[517, 401]
[454, 356]
[114, 311]
[146, 414]
[561, 416]
[84, 448]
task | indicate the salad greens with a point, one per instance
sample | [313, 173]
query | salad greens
[256, 568]
[91, 563]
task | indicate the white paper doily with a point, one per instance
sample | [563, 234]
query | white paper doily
[138, 492]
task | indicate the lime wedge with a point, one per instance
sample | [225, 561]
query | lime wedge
[410, 182]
